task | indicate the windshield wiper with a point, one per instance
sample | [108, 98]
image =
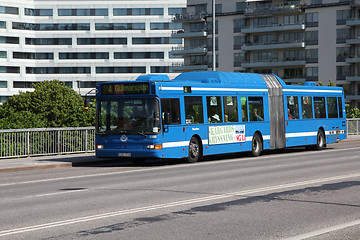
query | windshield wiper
[141, 133]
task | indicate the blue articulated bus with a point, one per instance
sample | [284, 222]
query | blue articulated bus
[206, 113]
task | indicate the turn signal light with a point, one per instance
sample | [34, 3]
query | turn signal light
[156, 147]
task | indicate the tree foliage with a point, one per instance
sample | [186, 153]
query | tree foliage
[352, 113]
[51, 104]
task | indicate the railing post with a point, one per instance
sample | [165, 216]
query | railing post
[86, 140]
[28, 143]
[58, 141]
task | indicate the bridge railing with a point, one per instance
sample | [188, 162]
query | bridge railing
[353, 126]
[46, 141]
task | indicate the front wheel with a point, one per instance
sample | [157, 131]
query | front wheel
[194, 150]
[256, 146]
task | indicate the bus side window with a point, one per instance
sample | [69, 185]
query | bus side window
[306, 105]
[244, 112]
[332, 107]
[230, 109]
[214, 110]
[319, 105]
[171, 106]
[193, 110]
[256, 109]
[293, 107]
[340, 107]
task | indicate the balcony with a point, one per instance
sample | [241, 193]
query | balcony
[188, 67]
[274, 63]
[190, 17]
[353, 59]
[355, 3]
[273, 9]
[273, 28]
[183, 34]
[189, 51]
[353, 78]
[353, 41]
[274, 45]
[353, 22]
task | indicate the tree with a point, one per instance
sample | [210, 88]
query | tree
[51, 104]
[352, 113]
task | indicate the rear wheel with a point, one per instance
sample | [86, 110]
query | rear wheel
[256, 146]
[320, 142]
[194, 150]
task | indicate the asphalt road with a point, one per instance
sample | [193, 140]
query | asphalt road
[292, 194]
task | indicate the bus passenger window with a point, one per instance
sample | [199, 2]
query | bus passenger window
[214, 110]
[171, 106]
[319, 105]
[193, 110]
[244, 112]
[230, 109]
[332, 107]
[306, 105]
[293, 107]
[340, 107]
[256, 109]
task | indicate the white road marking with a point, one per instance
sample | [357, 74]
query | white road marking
[173, 204]
[179, 166]
[325, 230]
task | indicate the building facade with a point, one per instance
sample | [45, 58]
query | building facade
[302, 40]
[85, 41]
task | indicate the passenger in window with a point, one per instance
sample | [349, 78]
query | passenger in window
[257, 116]
[289, 114]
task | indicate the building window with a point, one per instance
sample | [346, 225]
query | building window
[240, 58]
[9, 10]
[2, 24]
[342, 35]
[218, 8]
[160, 69]
[342, 16]
[174, 11]
[342, 53]
[83, 12]
[18, 84]
[293, 37]
[104, 70]
[342, 72]
[51, 27]
[293, 73]
[8, 69]
[138, 55]
[119, 26]
[38, 12]
[138, 11]
[3, 84]
[201, 9]
[9, 40]
[3, 54]
[58, 70]
[48, 41]
[101, 41]
[311, 37]
[28, 55]
[80, 55]
[311, 55]
[312, 73]
[293, 55]
[240, 6]
[312, 19]
[293, 19]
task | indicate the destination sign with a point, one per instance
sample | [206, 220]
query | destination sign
[124, 88]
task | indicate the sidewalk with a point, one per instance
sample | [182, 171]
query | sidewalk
[70, 160]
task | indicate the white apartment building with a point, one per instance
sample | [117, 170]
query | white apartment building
[81, 42]
[299, 40]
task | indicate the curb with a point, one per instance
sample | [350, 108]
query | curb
[36, 167]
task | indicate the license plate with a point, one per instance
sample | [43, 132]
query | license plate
[124, 154]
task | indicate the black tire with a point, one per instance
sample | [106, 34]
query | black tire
[320, 140]
[194, 150]
[256, 145]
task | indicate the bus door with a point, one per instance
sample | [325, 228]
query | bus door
[173, 133]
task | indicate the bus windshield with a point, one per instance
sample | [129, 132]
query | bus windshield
[128, 116]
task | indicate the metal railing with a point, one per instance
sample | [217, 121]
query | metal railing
[53, 141]
[353, 126]
[46, 141]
